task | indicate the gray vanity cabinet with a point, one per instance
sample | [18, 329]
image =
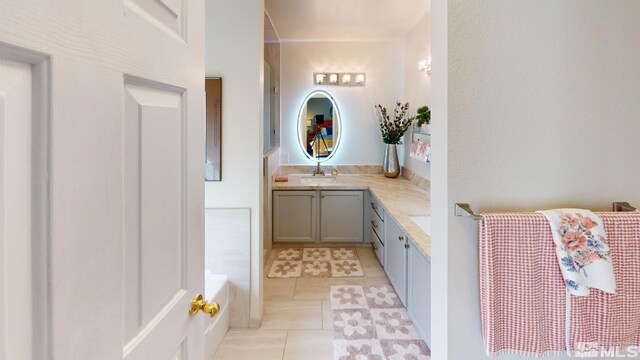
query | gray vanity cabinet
[318, 216]
[419, 291]
[395, 257]
[295, 217]
[341, 216]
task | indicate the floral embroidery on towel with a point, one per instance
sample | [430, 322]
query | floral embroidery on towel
[580, 243]
[582, 251]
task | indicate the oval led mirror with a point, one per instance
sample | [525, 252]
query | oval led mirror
[319, 126]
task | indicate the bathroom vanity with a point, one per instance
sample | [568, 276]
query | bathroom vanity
[368, 209]
[318, 215]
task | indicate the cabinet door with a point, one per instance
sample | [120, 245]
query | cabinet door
[294, 216]
[395, 258]
[419, 291]
[341, 216]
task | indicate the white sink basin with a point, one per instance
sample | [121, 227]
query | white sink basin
[424, 222]
[318, 180]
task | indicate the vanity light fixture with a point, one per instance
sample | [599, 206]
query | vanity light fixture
[341, 79]
[425, 65]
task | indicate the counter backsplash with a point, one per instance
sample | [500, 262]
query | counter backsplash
[355, 170]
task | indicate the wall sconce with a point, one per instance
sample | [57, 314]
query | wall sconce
[341, 79]
[425, 65]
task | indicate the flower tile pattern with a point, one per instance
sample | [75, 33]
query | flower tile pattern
[316, 262]
[370, 322]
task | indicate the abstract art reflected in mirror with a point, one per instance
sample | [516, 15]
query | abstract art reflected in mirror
[212, 166]
[319, 126]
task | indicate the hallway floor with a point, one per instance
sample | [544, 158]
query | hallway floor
[297, 323]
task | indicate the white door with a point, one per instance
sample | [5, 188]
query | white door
[101, 179]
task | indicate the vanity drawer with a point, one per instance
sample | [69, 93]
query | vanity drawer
[378, 247]
[377, 226]
[377, 209]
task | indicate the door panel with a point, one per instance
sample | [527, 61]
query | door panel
[295, 216]
[114, 237]
[395, 257]
[341, 216]
[419, 291]
[16, 210]
[154, 164]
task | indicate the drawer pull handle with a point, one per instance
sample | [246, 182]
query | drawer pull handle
[400, 237]
[373, 205]
[374, 224]
[406, 246]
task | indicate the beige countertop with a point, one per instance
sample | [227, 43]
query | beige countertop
[399, 197]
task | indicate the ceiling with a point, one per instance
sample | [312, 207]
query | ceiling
[344, 20]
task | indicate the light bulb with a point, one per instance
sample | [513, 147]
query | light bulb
[346, 78]
[320, 78]
[360, 79]
[333, 78]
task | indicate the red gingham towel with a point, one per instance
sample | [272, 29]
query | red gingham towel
[523, 296]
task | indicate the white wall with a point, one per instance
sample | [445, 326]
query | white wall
[417, 85]
[541, 110]
[361, 142]
[234, 51]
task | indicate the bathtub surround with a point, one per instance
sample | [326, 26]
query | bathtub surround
[227, 242]
[216, 290]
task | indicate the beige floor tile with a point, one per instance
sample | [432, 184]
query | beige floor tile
[251, 345]
[292, 315]
[376, 280]
[365, 251]
[327, 315]
[279, 288]
[272, 255]
[318, 288]
[287, 245]
[366, 260]
[309, 345]
[373, 270]
[267, 266]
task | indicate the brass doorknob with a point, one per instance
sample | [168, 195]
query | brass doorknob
[199, 304]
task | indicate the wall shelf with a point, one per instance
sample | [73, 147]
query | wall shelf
[415, 132]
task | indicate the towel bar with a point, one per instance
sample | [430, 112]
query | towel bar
[464, 210]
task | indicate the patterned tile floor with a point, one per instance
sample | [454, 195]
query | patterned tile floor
[370, 322]
[316, 262]
[298, 320]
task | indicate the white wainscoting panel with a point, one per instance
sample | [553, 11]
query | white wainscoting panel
[227, 252]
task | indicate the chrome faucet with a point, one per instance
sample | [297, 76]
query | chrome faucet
[318, 171]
